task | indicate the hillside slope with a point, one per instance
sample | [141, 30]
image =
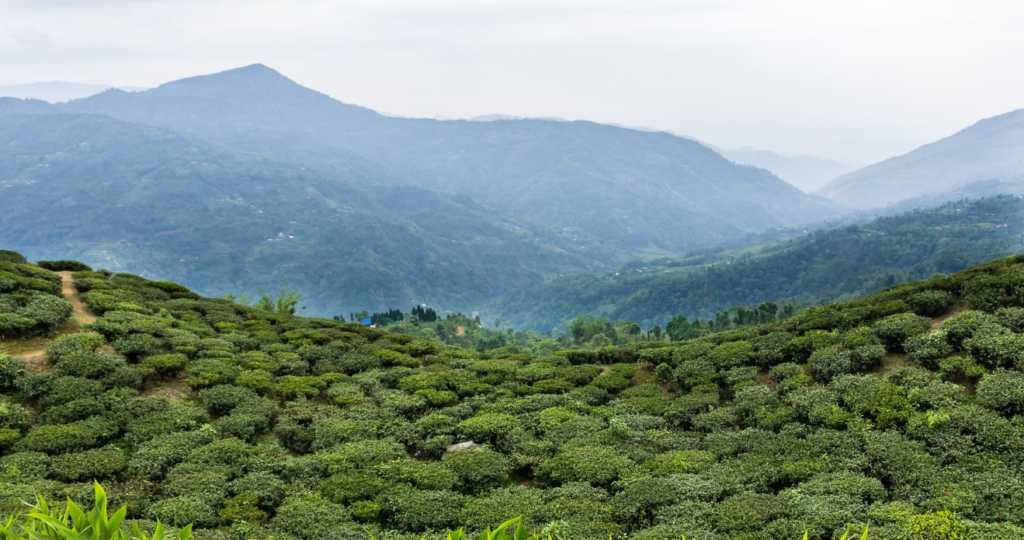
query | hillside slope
[630, 192]
[990, 150]
[821, 266]
[129, 197]
[899, 411]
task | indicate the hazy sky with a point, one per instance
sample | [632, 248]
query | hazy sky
[856, 80]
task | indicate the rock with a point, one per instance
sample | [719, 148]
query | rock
[459, 447]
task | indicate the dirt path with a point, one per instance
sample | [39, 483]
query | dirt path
[82, 314]
[32, 351]
[937, 321]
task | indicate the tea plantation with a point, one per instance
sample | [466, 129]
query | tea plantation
[901, 412]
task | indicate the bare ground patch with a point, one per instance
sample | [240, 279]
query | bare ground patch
[67, 288]
[173, 390]
[891, 362]
[32, 351]
[937, 321]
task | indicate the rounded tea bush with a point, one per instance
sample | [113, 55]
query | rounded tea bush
[1002, 391]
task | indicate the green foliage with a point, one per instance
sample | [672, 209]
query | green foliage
[30, 301]
[813, 423]
[896, 329]
[64, 265]
[96, 464]
[1002, 391]
[74, 523]
[807, 270]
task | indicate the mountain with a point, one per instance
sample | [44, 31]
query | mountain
[153, 201]
[809, 173]
[244, 181]
[627, 192]
[897, 414]
[824, 265]
[54, 91]
[991, 150]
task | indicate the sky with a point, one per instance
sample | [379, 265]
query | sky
[856, 81]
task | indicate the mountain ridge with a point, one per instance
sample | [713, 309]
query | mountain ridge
[989, 149]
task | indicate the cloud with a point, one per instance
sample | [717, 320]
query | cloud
[851, 80]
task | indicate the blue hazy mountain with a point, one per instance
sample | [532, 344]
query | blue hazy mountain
[809, 173]
[990, 152]
[247, 181]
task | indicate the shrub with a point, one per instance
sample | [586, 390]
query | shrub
[488, 427]
[60, 438]
[182, 511]
[156, 456]
[680, 461]
[966, 324]
[931, 303]
[24, 466]
[364, 511]
[495, 507]
[64, 266]
[597, 465]
[356, 485]
[478, 469]
[41, 313]
[138, 345]
[309, 516]
[362, 454]
[11, 371]
[748, 512]
[928, 348]
[97, 464]
[242, 508]
[830, 362]
[266, 486]
[8, 256]
[71, 345]
[422, 474]
[895, 329]
[996, 349]
[423, 510]
[209, 372]
[942, 525]
[731, 354]
[13, 415]
[224, 398]
[1002, 391]
[165, 364]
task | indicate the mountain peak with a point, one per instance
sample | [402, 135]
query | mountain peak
[252, 70]
[243, 78]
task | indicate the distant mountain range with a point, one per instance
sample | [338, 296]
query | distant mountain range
[985, 157]
[808, 173]
[247, 174]
[56, 91]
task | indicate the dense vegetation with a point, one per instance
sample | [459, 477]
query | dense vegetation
[825, 265]
[163, 204]
[900, 411]
[30, 301]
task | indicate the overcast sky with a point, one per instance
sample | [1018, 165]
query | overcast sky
[855, 80]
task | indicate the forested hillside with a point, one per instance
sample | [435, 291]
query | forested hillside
[899, 411]
[275, 186]
[123, 195]
[824, 265]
